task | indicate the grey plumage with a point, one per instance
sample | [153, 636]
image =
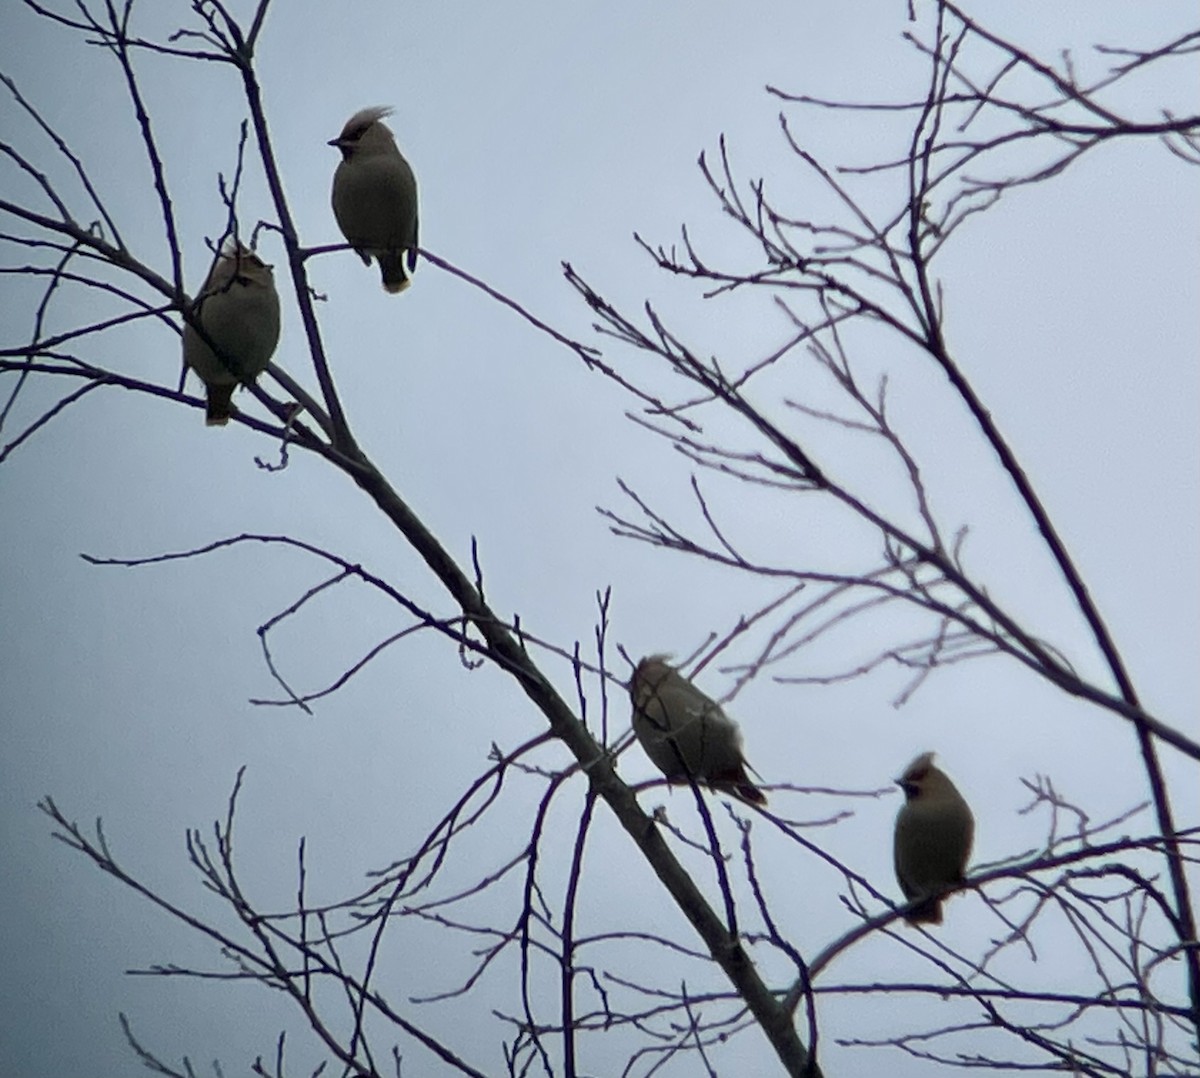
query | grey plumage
[375, 197]
[933, 837]
[238, 309]
[685, 733]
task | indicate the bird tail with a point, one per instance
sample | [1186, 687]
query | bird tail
[737, 782]
[750, 793]
[745, 789]
[927, 913]
[396, 267]
[220, 405]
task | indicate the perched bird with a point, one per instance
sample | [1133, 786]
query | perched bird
[934, 831]
[375, 197]
[238, 309]
[685, 734]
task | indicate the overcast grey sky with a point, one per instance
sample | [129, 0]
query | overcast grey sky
[543, 132]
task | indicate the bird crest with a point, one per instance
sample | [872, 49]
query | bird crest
[918, 769]
[363, 119]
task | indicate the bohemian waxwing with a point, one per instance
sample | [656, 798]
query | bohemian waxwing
[238, 308]
[375, 197]
[686, 734]
[934, 831]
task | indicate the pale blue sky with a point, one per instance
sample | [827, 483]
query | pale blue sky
[543, 132]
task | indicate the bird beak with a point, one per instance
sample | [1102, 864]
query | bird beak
[335, 142]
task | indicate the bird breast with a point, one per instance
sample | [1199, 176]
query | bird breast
[375, 201]
[243, 322]
[933, 841]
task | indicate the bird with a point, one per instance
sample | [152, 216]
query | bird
[934, 832]
[375, 197]
[685, 733]
[238, 309]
